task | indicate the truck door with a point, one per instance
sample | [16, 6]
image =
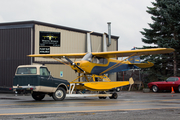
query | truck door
[46, 79]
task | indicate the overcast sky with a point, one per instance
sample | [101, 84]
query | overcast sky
[127, 17]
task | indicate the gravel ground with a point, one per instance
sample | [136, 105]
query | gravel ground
[166, 114]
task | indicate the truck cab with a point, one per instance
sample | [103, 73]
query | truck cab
[37, 80]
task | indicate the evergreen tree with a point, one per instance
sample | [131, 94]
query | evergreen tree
[164, 32]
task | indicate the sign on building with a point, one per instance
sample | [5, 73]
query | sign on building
[49, 39]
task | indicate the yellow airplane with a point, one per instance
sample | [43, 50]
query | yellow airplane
[94, 66]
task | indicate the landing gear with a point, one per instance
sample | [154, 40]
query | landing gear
[114, 96]
[102, 97]
[102, 93]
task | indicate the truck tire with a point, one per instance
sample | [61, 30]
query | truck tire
[38, 96]
[59, 94]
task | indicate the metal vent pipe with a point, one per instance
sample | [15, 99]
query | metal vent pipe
[109, 33]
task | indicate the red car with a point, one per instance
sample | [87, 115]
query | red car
[166, 85]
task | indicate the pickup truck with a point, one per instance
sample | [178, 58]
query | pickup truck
[37, 80]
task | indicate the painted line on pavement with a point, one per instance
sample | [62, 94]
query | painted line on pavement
[88, 111]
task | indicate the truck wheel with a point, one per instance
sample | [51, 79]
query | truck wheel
[38, 96]
[59, 95]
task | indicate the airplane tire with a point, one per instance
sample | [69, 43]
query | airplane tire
[37, 96]
[102, 97]
[102, 93]
[59, 94]
[114, 96]
[110, 97]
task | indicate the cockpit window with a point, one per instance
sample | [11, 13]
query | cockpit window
[103, 60]
[99, 60]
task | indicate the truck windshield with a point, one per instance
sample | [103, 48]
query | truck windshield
[44, 71]
[26, 70]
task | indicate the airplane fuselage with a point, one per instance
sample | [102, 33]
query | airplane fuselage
[108, 66]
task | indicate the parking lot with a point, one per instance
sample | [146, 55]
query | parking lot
[129, 105]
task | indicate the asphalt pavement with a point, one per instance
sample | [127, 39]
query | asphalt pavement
[129, 106]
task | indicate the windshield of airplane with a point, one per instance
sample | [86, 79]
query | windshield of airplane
[94, 59]
[87, 57]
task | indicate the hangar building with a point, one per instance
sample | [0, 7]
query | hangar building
[19, 39]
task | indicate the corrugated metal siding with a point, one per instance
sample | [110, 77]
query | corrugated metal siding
[113, 46]
[71, 42]
[15, 45]
[96, 42]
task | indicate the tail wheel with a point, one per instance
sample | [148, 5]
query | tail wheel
[38, 96]
[154, 88]
[59, 94]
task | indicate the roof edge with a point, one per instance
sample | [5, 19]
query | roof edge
[53, 25]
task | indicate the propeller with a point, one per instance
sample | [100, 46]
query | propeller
[72, 63]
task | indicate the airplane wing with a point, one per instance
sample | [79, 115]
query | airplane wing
[110, 54]
[113, 54]
[70, 55]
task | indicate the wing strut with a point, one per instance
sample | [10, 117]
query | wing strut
[60, 61]
[117, 64]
